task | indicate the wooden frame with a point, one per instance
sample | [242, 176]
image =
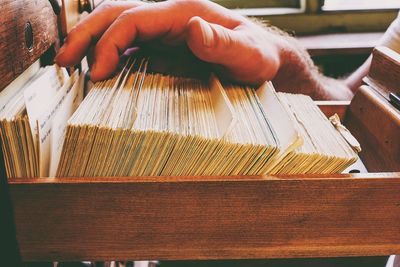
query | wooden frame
[27, 30]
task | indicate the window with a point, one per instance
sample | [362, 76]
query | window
[260, 3]
[336, 5]
[320, 16]
[271, 7]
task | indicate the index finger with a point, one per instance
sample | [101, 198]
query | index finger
[89, 30]
[166, 20]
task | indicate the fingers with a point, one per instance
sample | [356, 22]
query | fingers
[237, 50]
[222, 37]
[89, 30]
[138, 24]
[164, 20]
[214, 43]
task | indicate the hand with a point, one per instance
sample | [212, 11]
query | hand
[240, 49]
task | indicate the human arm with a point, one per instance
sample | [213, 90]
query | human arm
[237, 47]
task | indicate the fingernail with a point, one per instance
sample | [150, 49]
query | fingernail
[208, 34]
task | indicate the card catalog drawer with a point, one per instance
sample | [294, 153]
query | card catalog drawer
[27, 29]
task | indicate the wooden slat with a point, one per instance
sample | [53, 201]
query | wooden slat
[376, 125]
[384, 74]
[15, 56]
[206, 218]
[69, 15]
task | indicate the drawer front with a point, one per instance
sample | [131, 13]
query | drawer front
[206, 217]
[27, 29]
[376, 125]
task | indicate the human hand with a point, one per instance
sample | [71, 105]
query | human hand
[238, 48]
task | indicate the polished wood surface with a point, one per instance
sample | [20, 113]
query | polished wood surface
[206, 217]
[16, 54]
[376, 125]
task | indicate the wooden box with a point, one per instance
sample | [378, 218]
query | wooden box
[248, 217]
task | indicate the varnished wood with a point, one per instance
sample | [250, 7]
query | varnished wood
[179, 179]
[69, 15]
[15, 56]
[206, 218]
[376, 125]
[384, 74]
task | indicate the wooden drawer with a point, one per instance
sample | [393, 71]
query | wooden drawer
[208, 217]
[247, 217]
[27, 30]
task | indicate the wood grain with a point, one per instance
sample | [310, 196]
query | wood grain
[376, 125]
[384, 74]
[15, 56]
[206, 217]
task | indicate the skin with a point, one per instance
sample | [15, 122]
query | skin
[238, 48]
[354, 81]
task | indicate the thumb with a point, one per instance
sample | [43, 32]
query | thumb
[212, 42]
[243, 60]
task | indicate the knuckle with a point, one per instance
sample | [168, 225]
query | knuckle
[79, 31]
[226, 39]
[257, 54]
[195, 6]
[106, 5]
[74, 32]
[125, 14]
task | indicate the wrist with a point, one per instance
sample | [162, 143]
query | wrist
[296, 71]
